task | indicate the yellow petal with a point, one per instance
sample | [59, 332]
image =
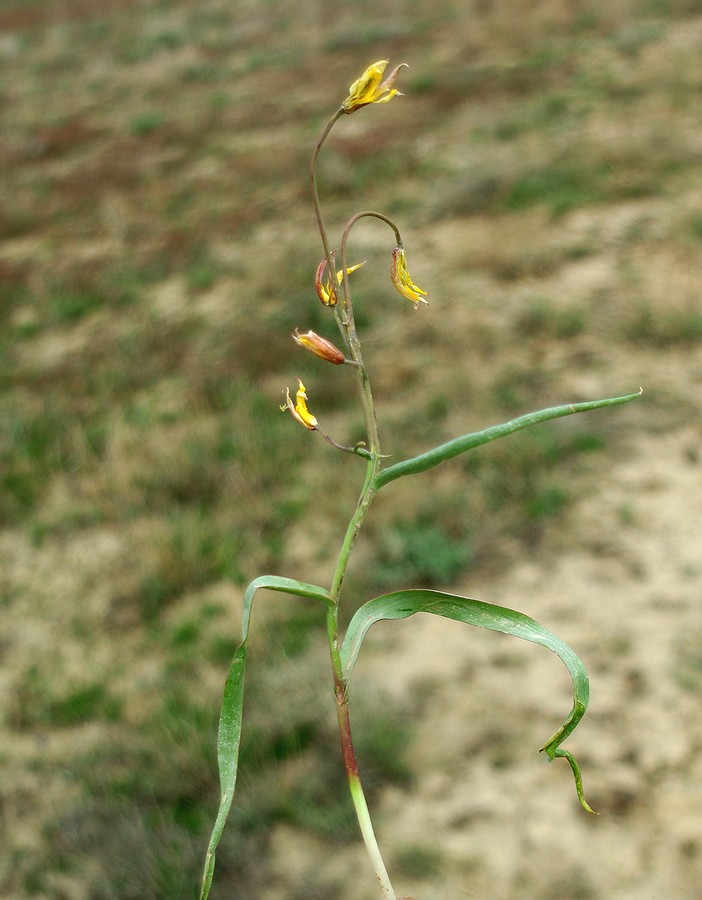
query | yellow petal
[299, 409]
[400, 278]
[302, 414]
[339, 275]
[365, 88]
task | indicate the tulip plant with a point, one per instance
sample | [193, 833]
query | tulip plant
[333, 289]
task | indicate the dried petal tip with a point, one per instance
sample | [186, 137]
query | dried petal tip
[319, 346]
[369, 88]
[326, 291]
[299, 408]
[400, 277]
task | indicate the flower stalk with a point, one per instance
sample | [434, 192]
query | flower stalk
[368, 89]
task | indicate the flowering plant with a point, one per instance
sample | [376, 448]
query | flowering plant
[333, 288]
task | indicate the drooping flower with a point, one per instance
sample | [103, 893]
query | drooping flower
[320, 346]
[400, 277]
[369, 88]
[326, 291]
[299, 407]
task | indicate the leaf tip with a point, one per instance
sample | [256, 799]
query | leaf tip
[566, 754]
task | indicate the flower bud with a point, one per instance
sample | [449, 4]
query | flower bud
[320, 346]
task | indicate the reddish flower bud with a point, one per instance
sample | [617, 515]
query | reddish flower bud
[320, 346]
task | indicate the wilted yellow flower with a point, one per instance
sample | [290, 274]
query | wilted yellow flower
[327, 291]
[369, 89]
[319, 346]
[299, 408]
[401, 278]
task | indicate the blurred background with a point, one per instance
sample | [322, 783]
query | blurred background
[157, 248]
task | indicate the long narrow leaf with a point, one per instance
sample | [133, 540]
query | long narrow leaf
[229, 735]
[401, 604]
[468, 441]
[228, 742]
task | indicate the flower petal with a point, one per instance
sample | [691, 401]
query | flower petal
[365, 88]
[400, 278]
[369, 89]
[299, 409]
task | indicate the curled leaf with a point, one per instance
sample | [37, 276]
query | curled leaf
[401, 604]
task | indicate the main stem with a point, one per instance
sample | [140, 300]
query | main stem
[357, 795]
[346, 324]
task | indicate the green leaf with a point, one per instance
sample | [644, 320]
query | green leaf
[401, 604]
[229, 735]
[287, 586]
[228, 742]
[468, 441]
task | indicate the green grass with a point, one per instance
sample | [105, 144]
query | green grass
[520, 485]
[40, 705]
[34, 446]
[195, 552]
[420, 553]
[663, 327]
[147, 122]
[543, 318]
[419, 861]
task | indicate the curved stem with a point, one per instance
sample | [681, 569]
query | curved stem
[315, 192]
[366, 213]
[347, 326]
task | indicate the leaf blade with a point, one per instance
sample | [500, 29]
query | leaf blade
[467, 442]
[286, 586]
[230, 720]
[228, 743]
[402, 604]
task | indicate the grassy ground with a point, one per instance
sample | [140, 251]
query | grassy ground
[156, 250]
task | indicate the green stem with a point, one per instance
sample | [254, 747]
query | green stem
[347, 327]
[354, 527]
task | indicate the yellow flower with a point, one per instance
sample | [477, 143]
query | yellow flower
[369, 89]
[327, 291]
[401, 278]
[299, 408]
[319, 346]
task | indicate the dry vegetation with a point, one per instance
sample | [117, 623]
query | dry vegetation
[156, 251]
